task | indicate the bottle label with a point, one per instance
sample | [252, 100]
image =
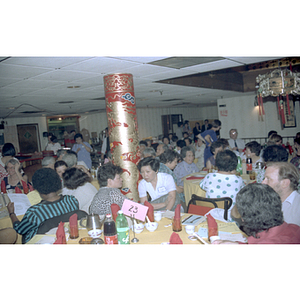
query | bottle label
[123, 235]
[249, 167]
[111, 239]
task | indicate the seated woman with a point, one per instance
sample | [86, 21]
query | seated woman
[224, 183]
[253, 150]
[60, 167]
[47, 183]
[8, 152]
[168, 161]
[199, 153]
[53, 144]
[15, 177]
[187, 166]
[78, 184]
[215, 148]
[110, 182]
[160, 186]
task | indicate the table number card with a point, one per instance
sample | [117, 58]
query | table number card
[134, 210]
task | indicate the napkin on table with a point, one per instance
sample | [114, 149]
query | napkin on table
[175, 239]
[212, 226]
[177, 211]
[73, 220]
[3, 187]
[60, 234]
[150, 212]
[114, 210]
[17, 190]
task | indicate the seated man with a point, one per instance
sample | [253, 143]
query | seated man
[283, 177]
[47, 182]
[258, 209]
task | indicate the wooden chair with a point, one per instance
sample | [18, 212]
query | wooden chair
[206, 204]
[53, 222]
[8, 236]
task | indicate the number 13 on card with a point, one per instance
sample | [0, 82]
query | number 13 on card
[134, 210]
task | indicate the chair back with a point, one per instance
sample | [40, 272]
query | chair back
[53, 222]
[198, 210]
[224, 202]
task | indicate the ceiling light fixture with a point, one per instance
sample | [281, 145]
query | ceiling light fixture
[278, 83]
[73, 87]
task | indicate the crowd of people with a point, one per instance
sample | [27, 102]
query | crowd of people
[162, 168]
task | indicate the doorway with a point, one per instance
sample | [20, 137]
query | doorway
[169, 123]
[28, 136]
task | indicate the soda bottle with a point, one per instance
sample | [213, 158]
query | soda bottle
[239, 168]
[122, 228]
[249, 164]
[109, 231]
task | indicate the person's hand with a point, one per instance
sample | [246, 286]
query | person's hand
[78, 149]
[11, 207]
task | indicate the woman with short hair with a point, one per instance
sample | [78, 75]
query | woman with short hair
[187, 166]
[110, 182]
[83, 150]
[78, 184]
[15, 178]
[8, 152]
[160, 186]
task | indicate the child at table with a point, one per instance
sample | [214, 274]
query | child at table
[225, 182]
[47, 182]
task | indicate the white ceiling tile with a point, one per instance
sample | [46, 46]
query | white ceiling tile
[47, 62]
[14, 71]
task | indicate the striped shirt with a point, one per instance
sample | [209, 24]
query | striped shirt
[42, 211]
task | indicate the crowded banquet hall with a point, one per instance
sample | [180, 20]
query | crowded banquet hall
[76, 132]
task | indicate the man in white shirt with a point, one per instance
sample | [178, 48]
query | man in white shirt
[284, 177]
[234, 143]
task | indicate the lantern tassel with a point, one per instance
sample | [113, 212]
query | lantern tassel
[288, 103]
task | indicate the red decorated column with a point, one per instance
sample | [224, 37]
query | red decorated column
[123, 129]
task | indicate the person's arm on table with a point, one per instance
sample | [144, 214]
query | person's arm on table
[179, 188]
[11, 211]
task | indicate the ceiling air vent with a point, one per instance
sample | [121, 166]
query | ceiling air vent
[32, 112]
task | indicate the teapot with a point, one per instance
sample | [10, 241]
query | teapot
[92, 222]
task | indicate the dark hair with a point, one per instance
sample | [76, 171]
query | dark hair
[60, 163]
[224, 143]
[254, 147]
[181, 143]
[149, 161]
[190, 140]
[78, 135]
[215, 145]
[143, 143]
[216, 123]
[74, 177]
[260, 208]
[185, 149]
[46, 181]
[108, 171]
[226, 161]
[165, 137]
[174, 138]
[168, 156]
[8, 149]
[271, 132]
[179, 124]
[53, 139]
[297, 140]
[275, 153]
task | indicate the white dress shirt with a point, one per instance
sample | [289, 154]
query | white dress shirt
[291, 208]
